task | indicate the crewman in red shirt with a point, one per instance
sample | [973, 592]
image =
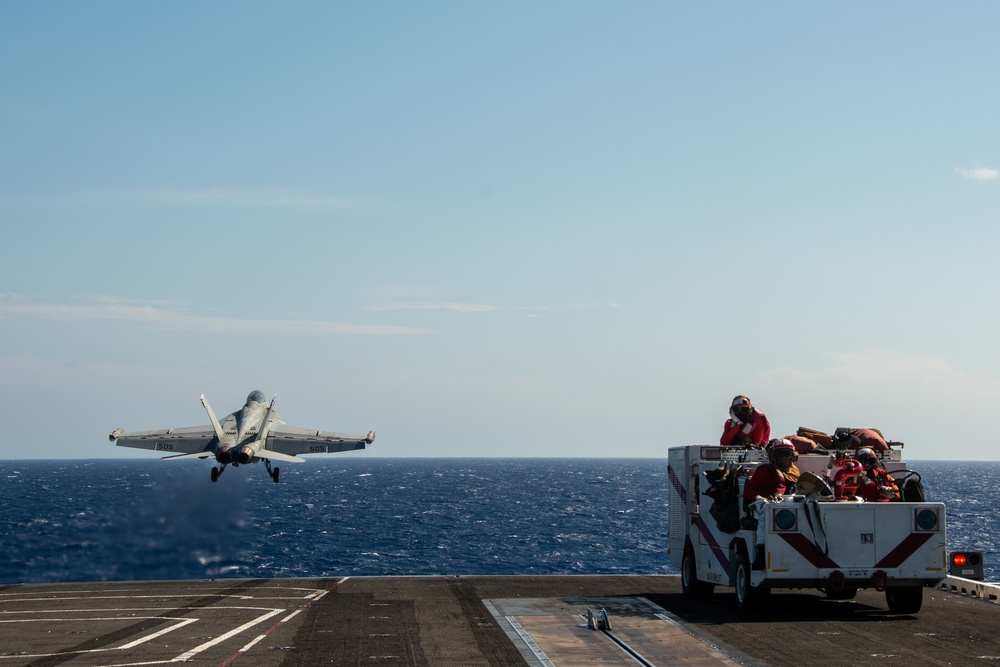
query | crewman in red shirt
[877, 484]
[746, 425]
[775, 478]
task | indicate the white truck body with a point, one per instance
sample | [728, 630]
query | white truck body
[837, 546]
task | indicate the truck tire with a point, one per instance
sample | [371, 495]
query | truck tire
[748, 598]
[845, 593]
[905, 599]
[693, 589]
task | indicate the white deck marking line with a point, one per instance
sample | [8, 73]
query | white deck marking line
[181, 622]
[143, 640]
[185, 619]
[314, 596]
[252, 643]
[223, 637]
[157, 597]
[43, 596]
[277, 625]
[117, 609]
[196, 590]
[92, 618]
[317, 594]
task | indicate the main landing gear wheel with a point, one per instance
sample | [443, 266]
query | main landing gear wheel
[904, 600]
[273, 473]
[694, 589]
[217, 472]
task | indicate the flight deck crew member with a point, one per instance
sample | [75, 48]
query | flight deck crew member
[877, 485]
[775, 478]
[746, 425]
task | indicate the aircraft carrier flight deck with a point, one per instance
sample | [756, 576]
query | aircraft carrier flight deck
[467, 621]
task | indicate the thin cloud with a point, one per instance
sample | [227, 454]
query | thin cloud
[283, 198]
[232, 198]
[981, 174]
[15, 307]
[922, 400]
[421, 305]
[883, 382]
[469, 307]
[868, 368]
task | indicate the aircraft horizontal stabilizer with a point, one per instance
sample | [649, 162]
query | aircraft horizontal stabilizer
[278, 456]
[195, 455]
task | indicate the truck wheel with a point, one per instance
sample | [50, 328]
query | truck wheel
[693, 589]
[904, 600]
[845, 593]
[748, 598]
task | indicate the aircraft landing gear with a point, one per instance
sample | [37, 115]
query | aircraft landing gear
[273, 473]
[216, 472]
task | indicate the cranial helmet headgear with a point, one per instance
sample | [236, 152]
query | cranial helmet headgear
[741, 400]
[864, 454]
[781, 446]
[742, 407]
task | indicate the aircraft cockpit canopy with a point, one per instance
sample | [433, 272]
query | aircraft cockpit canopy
[256, 396]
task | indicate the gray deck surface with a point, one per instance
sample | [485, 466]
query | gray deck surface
[468, 621]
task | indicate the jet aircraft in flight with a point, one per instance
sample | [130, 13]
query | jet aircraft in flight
[251, 434]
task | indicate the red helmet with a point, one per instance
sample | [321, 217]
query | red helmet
[781, 447]
[741, 407]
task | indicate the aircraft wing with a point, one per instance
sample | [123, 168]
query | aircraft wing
[293, 440]
[189, 440]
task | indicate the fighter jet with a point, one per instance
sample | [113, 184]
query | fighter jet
[254, 433]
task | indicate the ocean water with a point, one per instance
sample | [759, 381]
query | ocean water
[137, 519]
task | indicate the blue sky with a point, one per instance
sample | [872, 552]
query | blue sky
[509, 229]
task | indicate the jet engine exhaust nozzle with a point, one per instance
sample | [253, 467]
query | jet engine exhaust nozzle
[243, 455]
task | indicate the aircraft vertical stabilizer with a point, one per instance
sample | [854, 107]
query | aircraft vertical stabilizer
[211, 415]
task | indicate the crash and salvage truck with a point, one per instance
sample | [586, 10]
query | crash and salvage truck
[822, 537]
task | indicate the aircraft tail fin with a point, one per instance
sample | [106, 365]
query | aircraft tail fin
[265, 423]
[211, 415]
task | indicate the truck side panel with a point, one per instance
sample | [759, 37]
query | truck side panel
[678, 474]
